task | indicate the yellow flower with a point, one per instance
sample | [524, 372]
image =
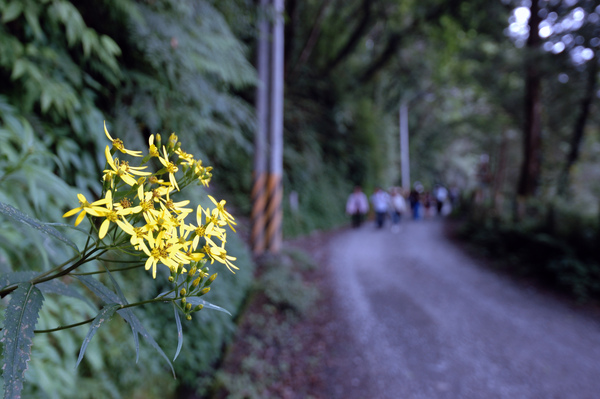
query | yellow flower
[173, 139]
[93, 209]
[171, 168]
[110, 214]
[175, 207]
[219, 254]
[138, 234]
[187, 159]
[160, 251]
[203, 173]
[118, 144]
[226, 260]
[159, 220]
[146, 205]
[122, 170]
[223, 214]
[152, 150]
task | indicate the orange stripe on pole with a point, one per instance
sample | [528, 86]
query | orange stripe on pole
[259, 202]
[274, 213]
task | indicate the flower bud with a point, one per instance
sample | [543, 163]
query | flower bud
[188, 317]
[204, 290]
[183, 301]
[199, 307]
[173, 140]
[171, 279]
[182, 292]
[196, 282]
[210, 280]
[188, 306]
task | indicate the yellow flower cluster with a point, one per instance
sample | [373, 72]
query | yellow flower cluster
[138, 203]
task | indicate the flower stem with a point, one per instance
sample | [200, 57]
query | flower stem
[104, 271]
[129, 305]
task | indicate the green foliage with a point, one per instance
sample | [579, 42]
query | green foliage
[282, 283]
[281, 299]
[558, 248]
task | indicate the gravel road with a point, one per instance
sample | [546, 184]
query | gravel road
[425, 320]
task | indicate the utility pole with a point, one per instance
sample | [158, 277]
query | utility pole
[404, 153]
[274, 181]
[259, 178]
[267, 190]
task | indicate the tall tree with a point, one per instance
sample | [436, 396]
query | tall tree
[532, 133]
[579, 128]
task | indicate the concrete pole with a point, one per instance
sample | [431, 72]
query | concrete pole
[404, 151]
[259, 183]
[274, 181]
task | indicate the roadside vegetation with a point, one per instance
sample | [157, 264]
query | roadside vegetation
[556, 247]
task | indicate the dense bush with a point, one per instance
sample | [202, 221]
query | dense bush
[556, 247]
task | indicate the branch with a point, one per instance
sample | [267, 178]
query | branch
[390, 49]
[354, 39]
[311, 41]
[395, 38]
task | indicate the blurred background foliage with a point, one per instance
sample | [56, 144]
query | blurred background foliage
[158, 66]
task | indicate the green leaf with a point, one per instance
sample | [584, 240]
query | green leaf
[108, 297]
[46, 100]
[21, 316]
[19, 68]
[122, 298]
[12, 11]
[104, 315]
[138, 328]
[179, 332]
[58, 287]
[195, 301]
[42, 227]
[7, 279]
[34, 23]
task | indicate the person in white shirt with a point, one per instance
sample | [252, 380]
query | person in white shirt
[398, 205]
[380, 200]
[357, 206]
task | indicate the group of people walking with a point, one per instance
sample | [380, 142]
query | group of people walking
[395, 205]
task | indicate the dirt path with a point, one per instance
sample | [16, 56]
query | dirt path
[418, 318]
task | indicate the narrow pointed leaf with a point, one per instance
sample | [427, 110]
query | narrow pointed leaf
[108, 297]
[100, 290]
[195, 301]
[40, 226]
[60, 288]
[137, 326]
[179, 332]
[13, 278]
[21, 316]
[105, 314]
[116, 285]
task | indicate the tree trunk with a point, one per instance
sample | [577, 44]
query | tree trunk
[532, 143]
[578, 130]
